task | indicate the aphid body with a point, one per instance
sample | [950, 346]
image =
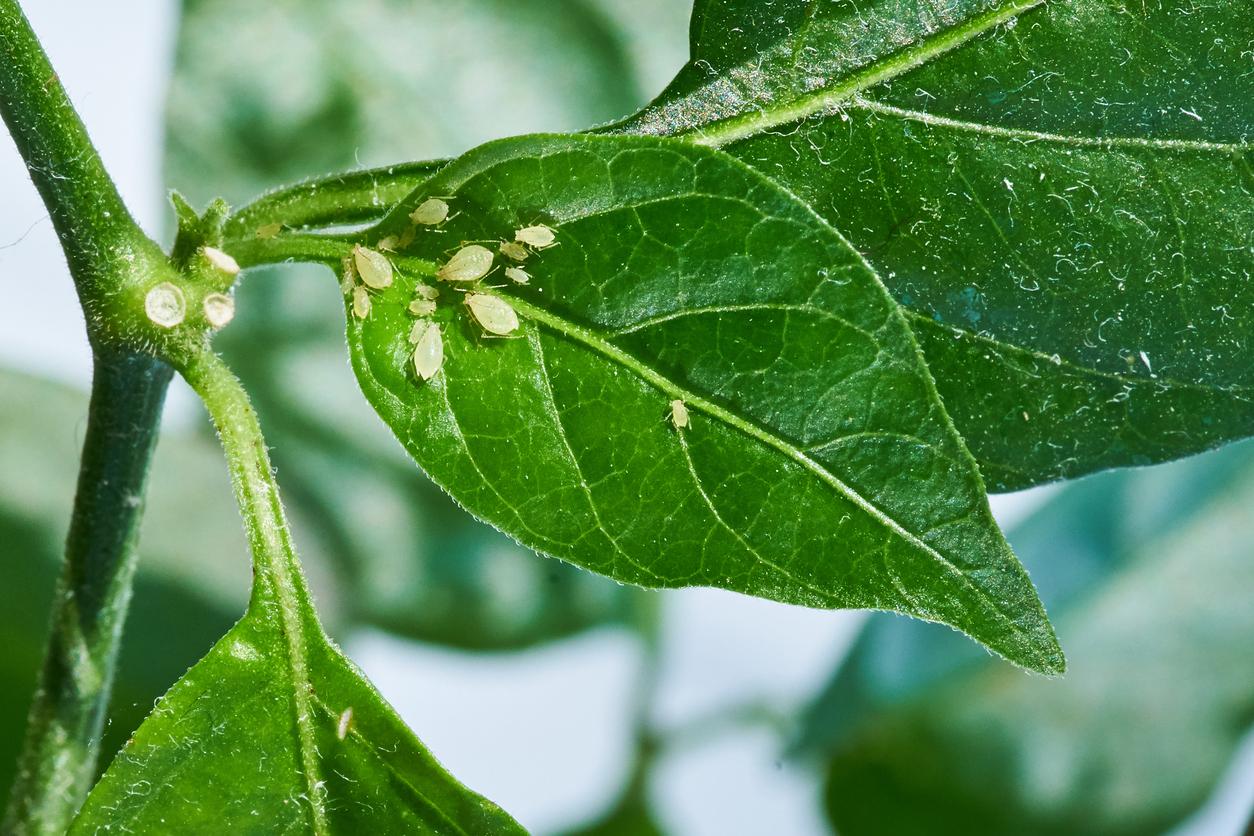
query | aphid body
[422, 307]
[221, 261]
[373, 267]
[428, 349]
[469, 264]
[269, 230]
[514, 250]
[344, 724]
[679, 414]
[430, 212]
[517, 275]
[538, 236]
[361, 302]
[493, 313]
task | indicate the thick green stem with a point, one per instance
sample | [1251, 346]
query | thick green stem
[58, 763]
[111, 261]
[104, 247]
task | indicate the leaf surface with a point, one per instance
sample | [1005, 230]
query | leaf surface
[1062, 195]
[819, 466]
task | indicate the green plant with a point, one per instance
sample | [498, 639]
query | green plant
[879, 260]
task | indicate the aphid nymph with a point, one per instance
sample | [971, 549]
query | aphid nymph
[361, 302]
[373, 267]
[344, 724]
[517, 275]
[428, 349]
[537, 237]
[679, 414]
[422, 307]
[469, 264]
[493, 313]
[514, 250]
[430, 212]
[268, 230]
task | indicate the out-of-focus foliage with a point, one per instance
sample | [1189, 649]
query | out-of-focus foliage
[1148, 575]
[304, 93]
[193, 577]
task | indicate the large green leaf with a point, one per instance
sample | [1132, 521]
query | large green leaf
[819, 467]
[1146, 573]
[291, 101]
[1062, 197]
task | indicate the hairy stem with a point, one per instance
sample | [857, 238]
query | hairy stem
[351, 197]
[108, 256]
[58, 763]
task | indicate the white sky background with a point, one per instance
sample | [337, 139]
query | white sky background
[544, 732]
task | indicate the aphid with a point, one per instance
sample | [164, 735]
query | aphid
[429, 352]
[517, 275]
[426, 291]
[419, 328]
[539, 236]
[387, 244]
[269, 230]
[219, 309]
[469, 264]
[348, 276]
[344, 724]
[679, 414]
[422, 307]
[407, 237]
[493, 313]
[430, 212]
[221, 261]
[514, 250]
[361, 302]
[373, 267]
[164, 305]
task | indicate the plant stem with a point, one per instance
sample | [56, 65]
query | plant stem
[108, 256]
[58, 763]
[338, 199]
[103, 245]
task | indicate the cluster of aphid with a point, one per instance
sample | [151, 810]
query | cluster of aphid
[369, 270]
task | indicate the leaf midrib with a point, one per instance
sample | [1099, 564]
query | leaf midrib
[734, 128]
[597, 342]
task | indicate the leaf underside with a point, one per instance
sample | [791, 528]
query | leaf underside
[1062, 196]
[819, 466]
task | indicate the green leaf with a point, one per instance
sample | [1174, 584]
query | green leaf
[402, 556]
[819, 467]
[1062, 196]
[256, 738]
[1147, 573]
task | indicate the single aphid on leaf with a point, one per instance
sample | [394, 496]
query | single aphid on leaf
[268, 230]
[407, 237]
[422, 307]
[679, 414]
[345, 723]
[493, 313]
[219, 309]
[537, 237]
[517, 275]
[428, 351]
[373, 267]
[164, 305]
[361, 302]
[221, 261]
[469, 264]
[430, 212]
[426, 291]
[514, 250]
[387, 244]
[417, 330]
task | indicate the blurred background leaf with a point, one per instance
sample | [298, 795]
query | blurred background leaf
[312, 87]
[1147, 574]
